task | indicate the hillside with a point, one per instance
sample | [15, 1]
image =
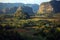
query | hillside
[19, 21]
[11, 5]
[49, 8]
[12, 10]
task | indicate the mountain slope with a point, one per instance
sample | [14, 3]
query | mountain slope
[10, 5]
[49, 8]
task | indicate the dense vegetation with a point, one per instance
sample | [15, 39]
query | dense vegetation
[21, 27]
[46, 30]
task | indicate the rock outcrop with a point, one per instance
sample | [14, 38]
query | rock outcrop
[45, 7]
[56, 6]
[49, 8]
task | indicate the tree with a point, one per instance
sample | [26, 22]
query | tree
[20, 14]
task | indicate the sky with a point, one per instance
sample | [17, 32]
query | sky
[24, 1]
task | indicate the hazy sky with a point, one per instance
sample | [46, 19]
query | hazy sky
[24, 1]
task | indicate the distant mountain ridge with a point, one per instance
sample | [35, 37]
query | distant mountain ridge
[11, 6]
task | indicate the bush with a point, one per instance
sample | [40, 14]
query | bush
[10, 35]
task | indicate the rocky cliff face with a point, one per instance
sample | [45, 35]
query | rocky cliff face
[45, 7]
[49, 8]
[56, 6]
